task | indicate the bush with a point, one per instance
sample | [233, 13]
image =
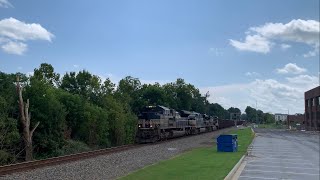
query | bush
[6, 158]
[72, 147]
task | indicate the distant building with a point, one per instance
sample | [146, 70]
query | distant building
[297, 120]
[312, 108]
[280, 117]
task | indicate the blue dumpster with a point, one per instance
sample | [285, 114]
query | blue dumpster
[227, 143]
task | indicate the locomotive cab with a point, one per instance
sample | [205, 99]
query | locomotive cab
[151, 120]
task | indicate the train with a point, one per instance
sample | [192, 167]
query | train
[156, 123]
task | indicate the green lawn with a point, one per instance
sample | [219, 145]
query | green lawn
[202, 163]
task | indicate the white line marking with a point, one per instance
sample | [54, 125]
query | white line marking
[285, 159]
[272, 150]
[283, 167]
[271, 147]
[255, 177]
[280, 162]
[283, 172]
[273, 153]
[279, 156]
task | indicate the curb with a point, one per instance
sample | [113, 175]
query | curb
[236, 167]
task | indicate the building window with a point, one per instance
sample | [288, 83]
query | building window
[319, 101]
[314, 102]
[309, 102]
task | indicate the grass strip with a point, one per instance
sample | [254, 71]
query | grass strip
[201, 163]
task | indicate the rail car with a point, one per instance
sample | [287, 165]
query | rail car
[159, 123]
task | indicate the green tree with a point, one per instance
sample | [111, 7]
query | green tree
[269, 118]
[46, 108]
[69, 83]
[107, 87]
[9, 135]
[153, 95]
[182, 96]
[251, 114]
[46, 74]
[85, 84]
[234, 110]
[94, 129]
[117, 121]
[9, 93]
[244, 116]
[128, 93]
[74, 106]
[217, 110]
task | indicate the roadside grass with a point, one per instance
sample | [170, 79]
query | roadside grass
[201, 163]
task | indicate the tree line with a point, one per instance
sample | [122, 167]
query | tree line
[79, 111]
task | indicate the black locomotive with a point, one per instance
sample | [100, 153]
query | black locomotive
[159, 123]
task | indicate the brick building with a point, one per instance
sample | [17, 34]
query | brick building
[312, 109]
[297, 120]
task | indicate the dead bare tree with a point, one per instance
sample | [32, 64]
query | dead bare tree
[25, 117]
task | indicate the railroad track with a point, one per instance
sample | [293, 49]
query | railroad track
[25, 166]
[30, 165]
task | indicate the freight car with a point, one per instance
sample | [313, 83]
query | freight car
[159, 123]
[225, 123]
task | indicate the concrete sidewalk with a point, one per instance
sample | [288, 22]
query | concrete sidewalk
[280, 154]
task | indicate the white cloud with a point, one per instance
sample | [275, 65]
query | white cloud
[14, 34]
[76, 66]
[297, 30]
[5, 4]
[161, 82]
[29, 74]
[114, 78]
[252, 74]
[304, 31]
[228, 95]
[253, 43]
[216, 51]
[285, 46]
[303, 79]
[291, 68]
[17, 48]
[14, 29]
[271, 95]
[313, 52]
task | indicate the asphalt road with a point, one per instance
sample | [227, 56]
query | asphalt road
[281, 154]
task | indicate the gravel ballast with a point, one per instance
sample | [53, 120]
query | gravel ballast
[119, 164]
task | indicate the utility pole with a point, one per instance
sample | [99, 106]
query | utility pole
[257, 112]
[288, 122]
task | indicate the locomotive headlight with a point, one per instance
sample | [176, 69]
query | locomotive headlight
[150, 125]
[139, 125]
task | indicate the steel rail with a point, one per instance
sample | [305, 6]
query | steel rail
[25, 166]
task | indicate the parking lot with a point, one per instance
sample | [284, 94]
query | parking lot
[281, 154]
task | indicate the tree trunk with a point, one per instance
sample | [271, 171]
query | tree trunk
[29, 151]
[25, 121]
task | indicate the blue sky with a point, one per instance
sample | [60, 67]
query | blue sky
[240, 51]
